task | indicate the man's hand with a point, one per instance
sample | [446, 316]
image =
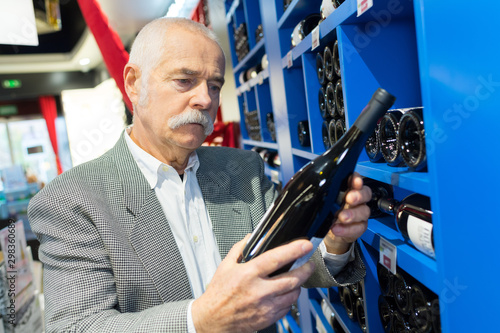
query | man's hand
[243, 298]
[352, 220]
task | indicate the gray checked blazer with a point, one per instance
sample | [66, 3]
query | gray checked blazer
[111, 263]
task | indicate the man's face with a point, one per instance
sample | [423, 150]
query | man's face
[184, 85]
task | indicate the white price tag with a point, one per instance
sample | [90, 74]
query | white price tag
[388, 255]
[289, 59]
[364, 5]
[315, 38]
[275, 176]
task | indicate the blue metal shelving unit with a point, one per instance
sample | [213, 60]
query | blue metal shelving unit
[437, 54]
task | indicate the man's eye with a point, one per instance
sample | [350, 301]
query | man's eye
[183, 82]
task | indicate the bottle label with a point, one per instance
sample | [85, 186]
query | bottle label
[420, 234]
[301, 261]
[327, 8]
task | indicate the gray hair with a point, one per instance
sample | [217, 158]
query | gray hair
[149, 44]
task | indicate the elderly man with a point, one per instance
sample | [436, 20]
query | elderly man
[147, 238]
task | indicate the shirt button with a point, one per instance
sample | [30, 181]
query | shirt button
[164, 168]
[195, 239]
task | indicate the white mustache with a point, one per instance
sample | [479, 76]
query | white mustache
[201, 117]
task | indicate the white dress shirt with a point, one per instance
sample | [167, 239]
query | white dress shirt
[184, 207]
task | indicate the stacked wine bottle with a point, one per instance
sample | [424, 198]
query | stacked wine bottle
[405, 305]
[241, 41]
[399, 139]
[252, 123]
[330, 95]
[412, 215]
[353, 301]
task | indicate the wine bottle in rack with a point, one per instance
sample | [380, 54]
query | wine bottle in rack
[328, 63]
[385, 280]
[330, 99]
[304, 28]
[372, 146]
[360, 314]
[310, 201]
[400, 323]
[327, 7]
[402, 291]
[348, 300]
[339, 98]
[303, 132]
[413, 220]
[336, 57]
[388, 134]
[320, 68]
[436, 317]
[325, 133]
[331, 131]
[412, 139]
[339, 129]
[380, 191]
[323, 109]
[421, 309]
[271, 126]
[386, 308]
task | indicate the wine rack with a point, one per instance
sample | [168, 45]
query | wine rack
[421, 52]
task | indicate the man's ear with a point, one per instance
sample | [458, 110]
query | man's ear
[132, 81]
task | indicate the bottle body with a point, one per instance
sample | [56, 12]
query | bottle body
[307, 206]
[413, 220]
[412, 139]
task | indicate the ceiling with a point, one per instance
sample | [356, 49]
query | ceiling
[74, 48]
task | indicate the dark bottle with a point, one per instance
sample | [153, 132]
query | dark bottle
[336, 58]
[412, 139]
[304, 28]
[436, 317]
[330, 99]
[271, 126]
[331, 131]
[337, 327]
[402, 292]
[320, 68]
[372, 146]
[360, 314]
[385, 280]
[348, 300]
[339, 98]
[413, 220]
[303, 132]
[259, 33]
[309, 202]
[339, 129]
[325, 133]
[380, 190]
[400, 323]
[323, 109]
[386, 309]
[328, 63]
[339, 2]
[421, 309]
[388, 134]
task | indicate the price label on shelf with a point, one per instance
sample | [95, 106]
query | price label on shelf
[261, 78]
[289, 59]
[275, 176]
[315, 38]
[388, 255]
[363, 6]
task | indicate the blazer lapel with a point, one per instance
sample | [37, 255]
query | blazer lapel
[150, 235]
[230, 217]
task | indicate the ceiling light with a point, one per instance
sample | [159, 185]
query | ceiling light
[84, 61]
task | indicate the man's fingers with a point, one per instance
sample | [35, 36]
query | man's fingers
[272, 260]
[234, 255]
[350, 230]
[356, 197]
[357, 214]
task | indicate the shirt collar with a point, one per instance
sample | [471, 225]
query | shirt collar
[151, 166]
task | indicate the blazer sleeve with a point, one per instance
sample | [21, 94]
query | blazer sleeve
[79, 287]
